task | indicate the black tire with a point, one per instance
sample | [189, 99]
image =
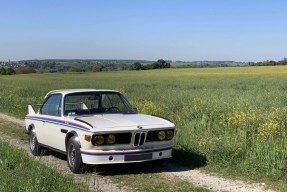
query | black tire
[74, 157]
[34, 146]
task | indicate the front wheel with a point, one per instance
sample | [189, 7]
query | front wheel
[74, 158]
[35, 148]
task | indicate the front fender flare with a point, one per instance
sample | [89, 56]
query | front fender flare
[71, 134]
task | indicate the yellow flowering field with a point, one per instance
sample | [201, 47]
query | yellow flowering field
[233, 116]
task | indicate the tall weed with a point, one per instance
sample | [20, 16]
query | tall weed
[232, 116]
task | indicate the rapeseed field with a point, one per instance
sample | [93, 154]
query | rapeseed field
[233, 116]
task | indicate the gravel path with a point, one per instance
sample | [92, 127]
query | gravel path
[95, 182]
[169, 170]
[212, 182]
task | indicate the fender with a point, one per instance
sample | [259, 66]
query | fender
[71, 134]
[27, 131]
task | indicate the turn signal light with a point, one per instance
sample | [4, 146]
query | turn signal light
[88, 138]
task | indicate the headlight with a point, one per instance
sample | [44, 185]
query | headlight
[169, 135]
[98, 140]
[161, 135]
[110, 139]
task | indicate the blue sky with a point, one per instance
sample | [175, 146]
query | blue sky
[188, 30]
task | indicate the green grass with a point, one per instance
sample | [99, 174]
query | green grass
[233, 119]
[13, 130]
[19, 172]
[156, 183]
[17, 164]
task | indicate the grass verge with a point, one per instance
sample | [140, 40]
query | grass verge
[156, 183]
[19, 172]
[17, 164]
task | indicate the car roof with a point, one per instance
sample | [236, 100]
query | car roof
[68, 91]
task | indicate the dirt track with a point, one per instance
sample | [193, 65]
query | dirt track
[95, 182]
[102, 183]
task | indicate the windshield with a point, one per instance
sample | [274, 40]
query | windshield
[96, 103]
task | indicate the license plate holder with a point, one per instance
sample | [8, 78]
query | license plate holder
[141, 157]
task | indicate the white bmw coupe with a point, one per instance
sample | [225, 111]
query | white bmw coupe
[95, 127]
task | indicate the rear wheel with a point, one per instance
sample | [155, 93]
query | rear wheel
[74, 158]
[35, 148]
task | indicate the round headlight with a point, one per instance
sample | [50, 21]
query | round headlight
[98, 140]
[169, 134]
[161, 135]
[110, 139]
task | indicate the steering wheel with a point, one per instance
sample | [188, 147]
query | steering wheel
[113, 108]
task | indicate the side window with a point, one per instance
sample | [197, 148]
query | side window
[52, 105]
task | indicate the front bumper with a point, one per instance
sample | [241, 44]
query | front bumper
[124, 156]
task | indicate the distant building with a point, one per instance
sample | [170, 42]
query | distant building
[13, 64]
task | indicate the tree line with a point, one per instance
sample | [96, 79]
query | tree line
[46, 66]
[159, 64]
[7, 71]
[18, 70]
[268, 63]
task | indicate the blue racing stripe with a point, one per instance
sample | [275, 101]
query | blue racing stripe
[59, 122]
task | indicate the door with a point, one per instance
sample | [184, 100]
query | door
[50, 133]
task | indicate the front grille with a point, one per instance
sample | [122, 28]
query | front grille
[139, 139]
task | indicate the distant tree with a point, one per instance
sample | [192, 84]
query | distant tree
[271, 62]
[42, 70]
[76, 69]
[136, 66]
[283, 62]
[148, 67]
[10, 71]
[251, 63]
[163, 64]
[160, 64]
[268, 63]
[155, 65]
[97, 68]
[2, 71]
[25, 70]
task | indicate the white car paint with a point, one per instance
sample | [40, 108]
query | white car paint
[52, 131]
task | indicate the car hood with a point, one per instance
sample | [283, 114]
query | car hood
[124, 121]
